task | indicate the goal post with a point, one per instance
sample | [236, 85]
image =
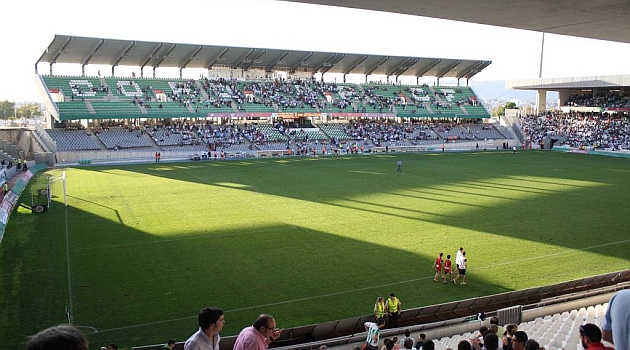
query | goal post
[53, 187]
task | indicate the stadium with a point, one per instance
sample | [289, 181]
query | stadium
[265, 186]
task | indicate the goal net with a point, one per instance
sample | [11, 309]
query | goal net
[48, 187]
[57, 188]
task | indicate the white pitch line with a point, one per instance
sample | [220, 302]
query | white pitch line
[25, 272]
[68, 266]
[568, 251]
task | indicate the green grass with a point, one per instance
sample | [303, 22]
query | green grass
[306, 239]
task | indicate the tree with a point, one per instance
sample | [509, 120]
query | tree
[510, 105]
[7, 109]
[29, 110]
[500, 110]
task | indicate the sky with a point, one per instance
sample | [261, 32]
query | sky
[28, 28]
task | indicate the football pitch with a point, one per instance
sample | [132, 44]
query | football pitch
[141, 248]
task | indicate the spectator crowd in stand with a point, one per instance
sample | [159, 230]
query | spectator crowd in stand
[579, 130]
[608, 99]
[282, 95]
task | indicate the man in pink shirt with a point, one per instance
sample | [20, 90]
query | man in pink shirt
[259, 335]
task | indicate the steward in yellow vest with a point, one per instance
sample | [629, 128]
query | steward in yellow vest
[379, 309]
[392, 308]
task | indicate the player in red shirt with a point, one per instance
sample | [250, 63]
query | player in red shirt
[447, 268]
[438, 267]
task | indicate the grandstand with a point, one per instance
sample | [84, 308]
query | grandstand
[79, 98]
[176, 116]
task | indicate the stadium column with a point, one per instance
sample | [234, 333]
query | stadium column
[541, 100]
[563, 97]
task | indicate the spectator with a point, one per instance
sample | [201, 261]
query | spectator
[615, 327]
[476, 342]
[259, 335]
[62, 337]
[591, 337]
[507, 336]
[112, 346]
[170, 344]
[408, 344]
[407, 336]
[421, 338]
[500, 330]
[531, 344]
[389, 344]
[373, 334]
[211, 321]
[491, 341]
[518, 340]
[428, 345]
[464, 345]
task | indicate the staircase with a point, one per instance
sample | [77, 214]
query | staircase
[203, 92]
[89, 107]
[110, 96]
[437, 97]
[97, 140]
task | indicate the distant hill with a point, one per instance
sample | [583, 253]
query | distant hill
[493, 92]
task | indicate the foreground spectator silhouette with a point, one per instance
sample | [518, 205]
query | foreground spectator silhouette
[62, 337]
[616, 324]
[259, 335]
[591, 337]
[518, 340]
[169, 345]
[211, 321]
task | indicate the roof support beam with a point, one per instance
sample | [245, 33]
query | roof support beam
[355, 64]
[296, 66]
[375, 67]
[257, 56]
[123, 54]
[397, 68]
[326, 61]
[59, 52]
[477, 64]
[214, 59]
[404, 68]
[165, 56]
[149, 57]
[190, 58]
[157, 65]
[328, 65]
[478, 69]
[90, 55]
[240, 60]
[277, 61]
[424, 71]
[448, 69]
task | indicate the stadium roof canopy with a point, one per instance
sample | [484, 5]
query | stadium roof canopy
[596, 19]
[594, 82]
[114, 52]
